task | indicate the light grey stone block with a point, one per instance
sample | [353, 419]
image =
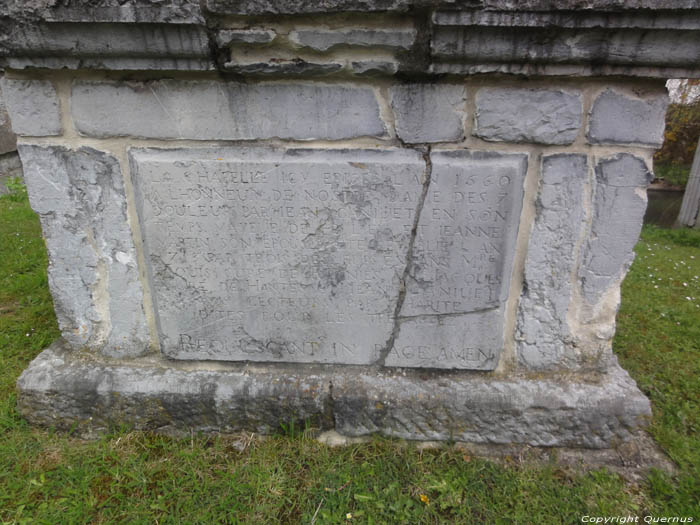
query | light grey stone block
[93, 275]
[619, 203]
[543, 334]
[322, 40]
[470, 341]
[276, 255]
[429, 112]
[228, 37]
[33, 107]
[619, 119]
[543, 116]
[465, 240]
[214, 110]
[65, 391]
[461, 262]
[477, 409]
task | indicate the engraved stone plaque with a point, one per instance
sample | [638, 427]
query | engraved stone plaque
[461, 263]
[276, 255]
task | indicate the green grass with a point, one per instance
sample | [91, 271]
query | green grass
[675, 174]
[48, 477]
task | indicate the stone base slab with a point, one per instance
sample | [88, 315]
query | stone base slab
[72, 390]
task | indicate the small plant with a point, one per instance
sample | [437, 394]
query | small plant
[16, 188]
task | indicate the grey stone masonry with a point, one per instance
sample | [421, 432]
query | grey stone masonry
[93, 275]
[619, 203]
[543, 116]
[33, 107]
[8, 141]
[65, 391]
[321, 40]
[214, 110]
[617, 118]
[543, 333]
[429, 112]
[227, 37]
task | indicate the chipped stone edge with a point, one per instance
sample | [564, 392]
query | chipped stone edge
[77, 391]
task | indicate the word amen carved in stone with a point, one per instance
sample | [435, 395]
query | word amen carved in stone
[354, 257]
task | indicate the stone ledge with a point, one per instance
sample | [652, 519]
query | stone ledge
[70, 390]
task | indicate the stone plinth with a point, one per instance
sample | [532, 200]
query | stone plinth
[413, 222]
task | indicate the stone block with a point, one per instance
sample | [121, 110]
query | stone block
[214, 110]
[66, 391]
[93, 274]
[621, 119]
[276, 255]
[374, 68]
[296, 67]
[323, 40]
[228, 37]
[8, 141]
[542, 116]
[33, 107]
[470, 341]
[543, 333]
[429, 112]
[619, 203]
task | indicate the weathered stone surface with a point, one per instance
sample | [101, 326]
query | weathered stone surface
[468, 341]
[8, 141]
[285, 67]
[619, 204]
[465, 241]
[108, 46]
[323, 40]
[619, 119]
[543, 333]
[528, 115]
[33, 106]
[429, 112]
[227, 37]
[371, 68]
[79, 196]
[475, 409]
[65, 391]
[277, 255]
[213, 110]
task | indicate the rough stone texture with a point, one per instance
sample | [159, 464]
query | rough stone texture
[619, 119]
[619, 203]
[528, 115]
[320, 40]
[8, 141]
[465, 242]
[543, 333]
[33, 107]
[213, 110]
[277, 255]
[372, 68]
[296, 67]
[93, 276]
[429, 112]
[64, 390]
[228, 37]
[109, 46]
[464, 341]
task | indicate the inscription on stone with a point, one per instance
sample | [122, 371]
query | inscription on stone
[297, 255]
[265, 255]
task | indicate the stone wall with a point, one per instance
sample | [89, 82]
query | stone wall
[10, 165]
[414, 222]
[582, 153]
